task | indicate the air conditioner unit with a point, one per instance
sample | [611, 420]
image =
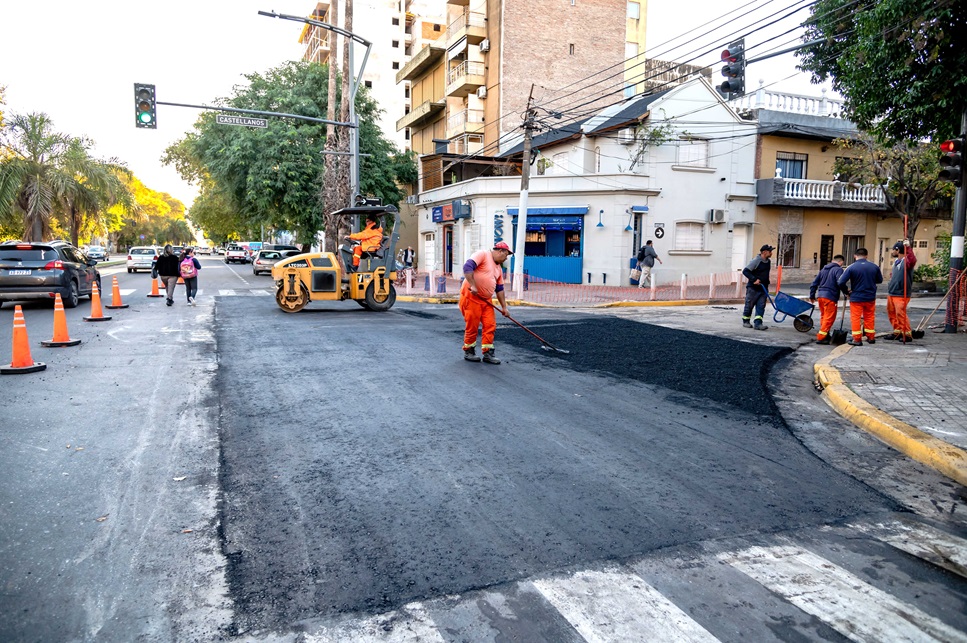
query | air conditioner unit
[413, 199]
[481, 92]
[485, 45]
[718, 216]
[626, 136]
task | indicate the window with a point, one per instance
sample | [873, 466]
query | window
[629, 91]
[631, 50]
[689, 236]
[560, 163]
[396, 43]
[396, 22]
[634, 10]
[396, 65]
[789, 245]
[791, 165]
[693, 152]
[923, 244]
[570, 49]
[406, 92]
[850, 243]
[406, 134]
[597, 160]
[368, 83]
[436, 27]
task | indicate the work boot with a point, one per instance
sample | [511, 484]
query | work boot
[490, 358]
[826, 341]
[470, 354]
[892, 336]
[760, 327]
[856, 342]
[871, 341]
[746, 324]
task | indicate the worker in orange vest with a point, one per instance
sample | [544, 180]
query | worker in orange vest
[370, 239]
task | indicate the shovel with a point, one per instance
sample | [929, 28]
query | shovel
[919, 330]
[838, 337]
[546, 345]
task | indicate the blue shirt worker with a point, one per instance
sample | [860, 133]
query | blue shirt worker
[862, 277]
[757, 290]
[826, 286]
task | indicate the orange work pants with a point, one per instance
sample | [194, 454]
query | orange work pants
[862, 316]
[477, 311]
[896, 310]
[827, 311]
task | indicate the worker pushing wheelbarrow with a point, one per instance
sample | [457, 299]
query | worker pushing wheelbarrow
[789, 306]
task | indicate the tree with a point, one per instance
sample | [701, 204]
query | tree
[906, 172]
[901, 65]
[274, 176]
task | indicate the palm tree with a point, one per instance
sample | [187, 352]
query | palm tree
[31, 174]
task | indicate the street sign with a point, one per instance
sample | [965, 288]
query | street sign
[225, 119]
[142, 237]
[659, 232]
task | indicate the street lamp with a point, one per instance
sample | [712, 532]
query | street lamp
[353, 85]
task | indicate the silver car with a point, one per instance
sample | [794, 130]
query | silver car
[265, 259]
[142, 258]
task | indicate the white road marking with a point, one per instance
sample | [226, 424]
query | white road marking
[408, 625]
[616, 605]
[127, 291]
[852, 607]
[226, 293]
[923, 541]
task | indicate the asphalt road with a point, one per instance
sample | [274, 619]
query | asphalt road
[228, 470]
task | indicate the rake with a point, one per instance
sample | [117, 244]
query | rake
[546, 345]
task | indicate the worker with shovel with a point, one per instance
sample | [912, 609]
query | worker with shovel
[483, 277]
[898, 291]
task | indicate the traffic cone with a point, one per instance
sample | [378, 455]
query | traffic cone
[181, 281]
[22, 362]
[154, 289]
[61, 337]
[96, 313]
[116, 295]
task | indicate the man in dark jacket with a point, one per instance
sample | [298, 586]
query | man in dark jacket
[646, 261]
[898, 291]
[862, 277]
[826, 285]
[757, 290]
[167, 266]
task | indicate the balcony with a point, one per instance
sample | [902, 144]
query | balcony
[317, 45]
[467, 121]
[820, 194]
[421, 115]
[422, 62]
[786, 102]
[472, 26]
[466, 77]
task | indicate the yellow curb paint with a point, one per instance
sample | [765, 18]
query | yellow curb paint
[922, 447]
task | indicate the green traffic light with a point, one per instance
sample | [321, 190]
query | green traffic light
[144, 117]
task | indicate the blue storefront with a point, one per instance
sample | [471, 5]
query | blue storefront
[554, 242]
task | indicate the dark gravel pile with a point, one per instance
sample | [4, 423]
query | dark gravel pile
[722, 370]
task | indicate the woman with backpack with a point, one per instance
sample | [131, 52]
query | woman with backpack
[189, 268]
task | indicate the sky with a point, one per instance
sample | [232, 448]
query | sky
[78, 62]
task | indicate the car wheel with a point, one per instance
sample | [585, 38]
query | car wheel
[130, 271]
[380, 303]
[73, 295]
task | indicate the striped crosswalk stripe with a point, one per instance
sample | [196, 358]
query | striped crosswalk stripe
[615, 605]
[410, 624]
[842, 600]
[923, 541]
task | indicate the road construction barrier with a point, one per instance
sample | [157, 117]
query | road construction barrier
[61, 336]
[97, 314]
[116, 295]
[154, 288]
[21, 362]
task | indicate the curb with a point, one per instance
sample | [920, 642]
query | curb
[922, 447]
[452, 299]
[615, 304]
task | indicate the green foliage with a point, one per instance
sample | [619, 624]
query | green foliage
[900, 64]
[273, 177]
[941, 256]
[927, 272]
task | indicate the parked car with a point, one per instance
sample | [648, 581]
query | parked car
[265, 259]
[278, 246]
[219, 250]
[177, 250]
[97, 253]
[204, 250]
[40, 270]
[236, 254]
[142, 257]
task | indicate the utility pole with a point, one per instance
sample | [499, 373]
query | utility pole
[525, 181]
[957, 247]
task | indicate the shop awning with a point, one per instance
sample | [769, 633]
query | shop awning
[637, 208]
[552, 218]
[564, 209]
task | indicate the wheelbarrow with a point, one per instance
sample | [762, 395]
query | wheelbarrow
[789, 306]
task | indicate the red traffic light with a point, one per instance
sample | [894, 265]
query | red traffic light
[730, 56]
[953, 145]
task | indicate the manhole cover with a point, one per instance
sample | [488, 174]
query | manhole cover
[856, 377]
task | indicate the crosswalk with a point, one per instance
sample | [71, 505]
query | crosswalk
[873, 581]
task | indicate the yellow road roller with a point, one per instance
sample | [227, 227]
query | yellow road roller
[321, 276]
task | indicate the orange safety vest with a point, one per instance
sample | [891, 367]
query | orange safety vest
[369, 239]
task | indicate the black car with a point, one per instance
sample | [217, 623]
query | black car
[40, 270]
[278, 246]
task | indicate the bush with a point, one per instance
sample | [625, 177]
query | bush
[927, 272]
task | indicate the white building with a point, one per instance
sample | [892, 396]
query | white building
[597, 193]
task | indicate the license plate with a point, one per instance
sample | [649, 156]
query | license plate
[19, 272]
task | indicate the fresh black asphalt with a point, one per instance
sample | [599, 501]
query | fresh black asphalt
[365, 464]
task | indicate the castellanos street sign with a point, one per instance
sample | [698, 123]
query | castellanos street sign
[225, 119]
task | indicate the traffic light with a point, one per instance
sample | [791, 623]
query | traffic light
[734, 70]
[952, 162]
[145, 110]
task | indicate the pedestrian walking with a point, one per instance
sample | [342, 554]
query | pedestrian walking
[408, 256]
[167, 267]
[826, 286]
[898, 291]
[862, 277]
[757, 289]
[483, 278]
[189, 268]
[646, 261]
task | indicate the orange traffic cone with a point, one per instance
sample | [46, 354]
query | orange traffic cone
[181, 281]
[154, 289]
[22, 362]
[61, 337]
[116, 295]
[96, 313]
